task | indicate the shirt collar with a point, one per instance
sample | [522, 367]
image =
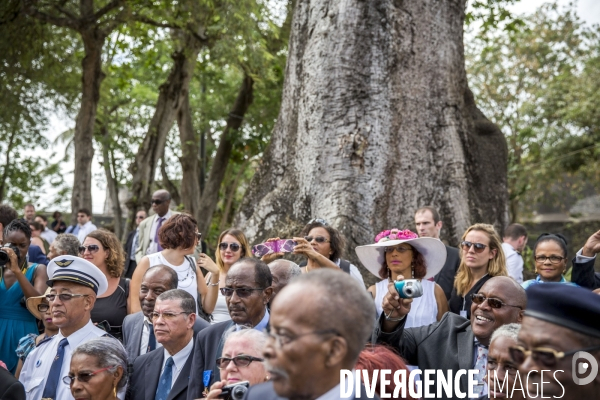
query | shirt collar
[76, 337]
[166, 216]
[181, 356]
[539, 279]
[262, 325]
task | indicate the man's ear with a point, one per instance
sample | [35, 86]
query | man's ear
[439, 225]
[337, 351]
[520, 316]
[268, 294]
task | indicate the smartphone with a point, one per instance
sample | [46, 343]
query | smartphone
[279, 246]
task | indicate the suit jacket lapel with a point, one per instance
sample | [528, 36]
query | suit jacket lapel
[183, 379]
[216, 371]
[136, 336]
[465, 354]
[152, 373]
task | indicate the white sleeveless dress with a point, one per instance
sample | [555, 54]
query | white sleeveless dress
[423, 310]
[186, 274]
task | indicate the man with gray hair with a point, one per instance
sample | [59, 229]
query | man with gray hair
[164, 372]
[311, 344]
[282, 271]
[501, 369]
[64, 244]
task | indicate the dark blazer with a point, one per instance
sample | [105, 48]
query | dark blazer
[146, 373]
[208, 347]
[10, 387]
[132, 333]
[129, 264]
[265, 391]
[584, 275]
[445, 278]
[447, 344]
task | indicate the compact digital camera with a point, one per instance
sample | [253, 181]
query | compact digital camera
[4, 255]
[235, 391]
[409, 288]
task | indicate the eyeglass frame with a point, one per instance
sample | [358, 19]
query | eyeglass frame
[465, 245]
[89, 376]
[171, 315]
[277, 337]
[558, 355]
[61, 295]
[401, 250]
[87, 248]
[318, 238]
[230, 359]
[549, 259]
[236, 291]
[229, 246]
[485, 298]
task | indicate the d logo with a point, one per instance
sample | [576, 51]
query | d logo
[584, 367]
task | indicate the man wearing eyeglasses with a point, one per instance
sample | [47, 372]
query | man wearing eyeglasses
[131, 245]
[247, 292]
[75, 283]
[560, 335]
[148, 241]
[454, 343]
[164, 373]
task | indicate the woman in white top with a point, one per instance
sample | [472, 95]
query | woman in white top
[233, 245]
[178, 236]
[402, 253]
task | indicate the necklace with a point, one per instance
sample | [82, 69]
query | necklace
[191, 276]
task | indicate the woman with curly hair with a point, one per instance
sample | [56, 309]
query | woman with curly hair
[103, 249]
[481, 259]
[403, 254]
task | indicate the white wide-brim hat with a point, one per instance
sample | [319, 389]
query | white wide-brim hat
[433, 250]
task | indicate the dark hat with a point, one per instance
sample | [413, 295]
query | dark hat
[570, 306]
[78, 270]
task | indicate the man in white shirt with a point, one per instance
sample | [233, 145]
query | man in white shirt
[84, 221]
[148, 229]
[164, 372]
[75, 283]
[515, 239]
[47, 234]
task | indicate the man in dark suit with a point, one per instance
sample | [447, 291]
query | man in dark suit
[10, 387]
[138, 334]
[247, 292]
[164, 372]
[583, 264]
[312, 343]
[429, 224]
[131, 245]
[454, 343]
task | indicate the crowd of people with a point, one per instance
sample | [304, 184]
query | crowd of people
[87, 317]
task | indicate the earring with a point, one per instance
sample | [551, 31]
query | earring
[115, 391]
[267, 378]
[412, 270]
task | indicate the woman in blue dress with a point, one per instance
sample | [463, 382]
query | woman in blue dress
[20, 280]
[550, 255]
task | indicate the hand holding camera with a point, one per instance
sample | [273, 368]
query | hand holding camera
[396, 303]
[235, 391]
[9, 255]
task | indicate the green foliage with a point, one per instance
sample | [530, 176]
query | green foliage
[492, 15]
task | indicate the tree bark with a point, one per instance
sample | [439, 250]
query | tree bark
[377, 120]
[190, 163]
[231, 196]
[167, 183]
[111, 183]
[210, 196]
[8, 162]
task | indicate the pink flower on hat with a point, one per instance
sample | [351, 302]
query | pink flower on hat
[395, 234]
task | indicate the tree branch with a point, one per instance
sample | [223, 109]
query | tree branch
[149, 21]
[51, 19]
[106, 9]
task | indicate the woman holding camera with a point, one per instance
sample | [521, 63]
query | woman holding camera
[241, 360]
[403, 254]
[20, 280]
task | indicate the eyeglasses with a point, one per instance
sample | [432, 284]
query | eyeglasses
[318, 239]
[238, 361]
[167, 316]
[233, 246]
[399, 249]
[543, 355]
[92, 248]
[140, 217]
[241, 292]
[198, 235]
[83, 377]
[157, 201]
[283, 339]
[479, 298]
[478, 247]
[318, 221]
[43, 307]
[64, 296]
[553, 259]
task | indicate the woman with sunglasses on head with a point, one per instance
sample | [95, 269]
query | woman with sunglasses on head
[98, 370]
[481, 259]
[404, 254]
[232, 246]
[550, 255]
[103, 249]
[179, 238]
[18, 279]
[241, 360]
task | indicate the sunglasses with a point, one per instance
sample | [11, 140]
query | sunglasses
[43, 307]
[92, 248]
[542, 355]
[157, 201]
[167, 316]
[63, 296]
[479, 298]
[233, 246]
[478, 247]
[241, 292]
[83, 377]
[238, 361]
[318, 239]
[399, 249]
[318, 221]
[553, 259]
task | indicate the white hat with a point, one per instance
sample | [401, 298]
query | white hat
[433, 250]
[77, 270]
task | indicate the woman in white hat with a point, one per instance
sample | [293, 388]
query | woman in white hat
[402, 253]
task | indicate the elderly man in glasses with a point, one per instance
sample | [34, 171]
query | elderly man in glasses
[454, 343]
[149, 227]
[558, 346]
[75, 283]
[164, 372]
[247, 292]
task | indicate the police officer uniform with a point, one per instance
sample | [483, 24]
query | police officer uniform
[37, 375]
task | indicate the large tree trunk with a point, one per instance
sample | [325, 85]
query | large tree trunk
[111, 183]
[376, 121]
[93, 41]
[8, 163]
[190, 163]
[210, 195]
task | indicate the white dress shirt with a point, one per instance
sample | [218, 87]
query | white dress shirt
[580, 258]
[85, 230]
[179, 360]
[146, 336]
[153, 248]
[48, 235]
[37, 365]
[514, 262]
